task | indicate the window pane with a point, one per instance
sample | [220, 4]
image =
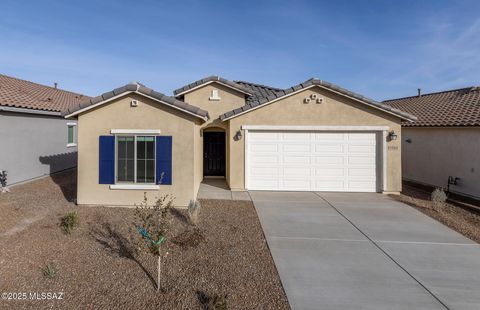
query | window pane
[130, 147]
[150, 148]
[140, 149]
[150, 171]
[125, 159]
[141, 171]
[70, 134]
[145, 159]
[121, 148]
[130, 170]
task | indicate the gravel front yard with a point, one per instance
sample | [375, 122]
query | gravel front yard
[98, 267]
[463, 221]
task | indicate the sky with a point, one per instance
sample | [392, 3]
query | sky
[380, 49]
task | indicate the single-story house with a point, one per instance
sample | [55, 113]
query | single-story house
[314, 136]
[444, 142]
[35, 139]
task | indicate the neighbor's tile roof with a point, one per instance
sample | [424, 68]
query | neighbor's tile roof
[139, 88]
[209, 79]
[28, 95]
[277, 93]
[458, 107]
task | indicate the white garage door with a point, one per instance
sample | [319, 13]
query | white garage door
[311, 161]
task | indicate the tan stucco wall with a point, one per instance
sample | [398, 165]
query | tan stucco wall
[230, 99]
[436, 153]
[148, 115]
[335, 111]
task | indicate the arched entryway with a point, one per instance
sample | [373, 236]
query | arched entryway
[214, 152]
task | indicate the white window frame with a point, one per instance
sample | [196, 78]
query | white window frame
[74, 143]
[135, 184]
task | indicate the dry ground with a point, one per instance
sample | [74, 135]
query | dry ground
[99, 269]
[462, 220]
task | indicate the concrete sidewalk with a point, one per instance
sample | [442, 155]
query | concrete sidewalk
[366, 251]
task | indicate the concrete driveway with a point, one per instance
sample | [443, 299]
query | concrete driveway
[366, 251]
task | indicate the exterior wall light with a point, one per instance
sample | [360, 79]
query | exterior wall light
[392, 135]
[238, 135]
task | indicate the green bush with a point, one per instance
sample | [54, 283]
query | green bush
[70, 222]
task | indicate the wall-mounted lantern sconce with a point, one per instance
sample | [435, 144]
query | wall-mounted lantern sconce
[238, 135]
[392, 136]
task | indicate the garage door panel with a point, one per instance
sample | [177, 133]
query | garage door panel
[297, 136]
[296, 172]
[265, 159]
[361, 148]
[329, 136]
[264, 171]
[299, 185]
[361, 160]
[361, 172]
[311, 161]
[361, 136]
[264, 147]
[330, 172]
[329, 148]
[298, 159]
[266, 136]
[328, 160]
[361, 186]
[296, 147]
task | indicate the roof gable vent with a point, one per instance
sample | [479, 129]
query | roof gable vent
[214, 96]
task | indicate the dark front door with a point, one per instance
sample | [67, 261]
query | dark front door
[214, 153]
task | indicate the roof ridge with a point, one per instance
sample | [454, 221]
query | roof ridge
[434, 93]
[256, 84]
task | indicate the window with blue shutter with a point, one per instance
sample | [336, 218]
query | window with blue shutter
[106, 160]
[164, 160]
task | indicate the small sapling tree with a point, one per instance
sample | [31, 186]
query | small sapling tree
[152, 223]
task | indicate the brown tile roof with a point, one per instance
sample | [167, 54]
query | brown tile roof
[278, 93]
[140, 89]
[458, 107]
[28, 95]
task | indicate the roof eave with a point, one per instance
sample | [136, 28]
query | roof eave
[402, 115]
[128, 89]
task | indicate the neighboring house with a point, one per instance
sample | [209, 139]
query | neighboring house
[445, 140]
[314, 136]
[35, 140]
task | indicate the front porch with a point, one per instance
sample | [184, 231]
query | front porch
[217, 188]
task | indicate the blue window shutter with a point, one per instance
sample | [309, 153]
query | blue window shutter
[106, 165]
[164, 160]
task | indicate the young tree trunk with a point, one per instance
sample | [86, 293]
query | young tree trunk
[158, 274]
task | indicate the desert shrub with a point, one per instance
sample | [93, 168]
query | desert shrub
[194, 211]
[439, 197]
[69, 222]
[49, 271]
[189, 238]
[213, 301]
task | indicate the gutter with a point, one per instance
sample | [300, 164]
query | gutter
[30, 111]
